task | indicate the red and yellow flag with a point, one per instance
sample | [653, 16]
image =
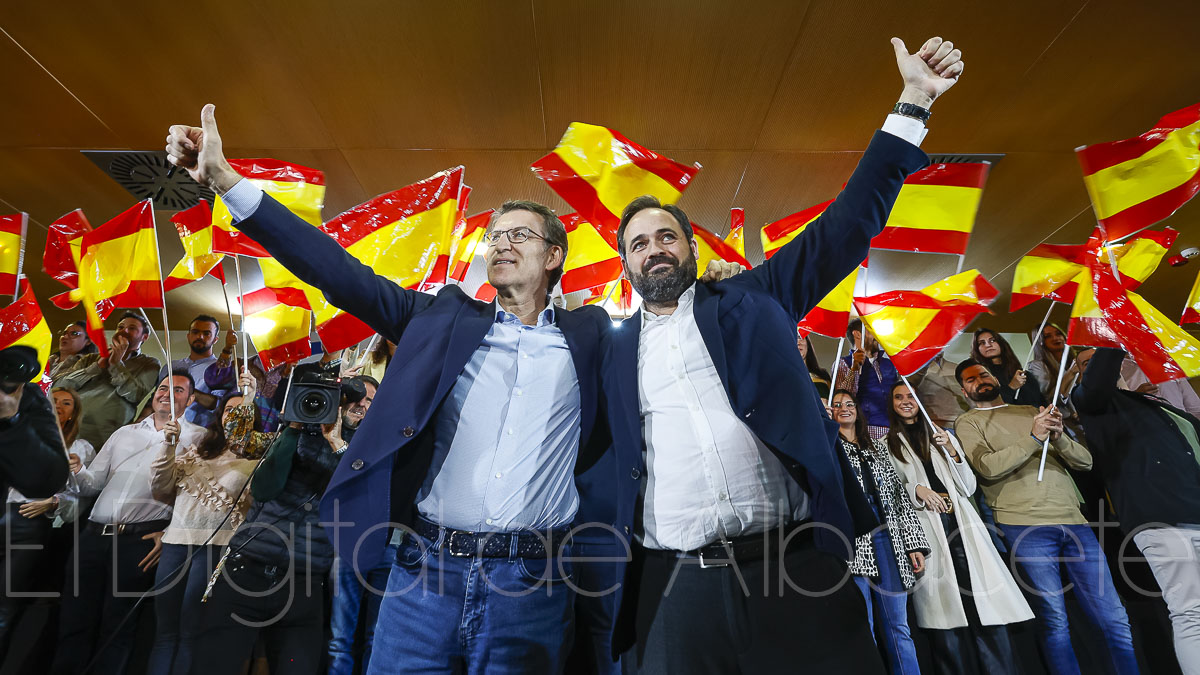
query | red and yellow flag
[471, 244]
[1139, 181]
[1106, 314]
[935, 210]
[1054, 271]
[196, 232]
[591, 261]
[22, 323]
[711, 247]
[914, 326]
[598, 172]
[279, 332]
[299, 188]
[440, 274]
[63, 244]
[736, 237]
[118, 265]
[1191, 311]
[780, 232]
[12, 250]
[831, 316]
[618, 293]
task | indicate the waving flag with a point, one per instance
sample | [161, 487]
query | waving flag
[1139, 181]
[118, 265]
[598, 172]
[711, 247]
[12, 250]
[618, 293]
[22, 323]
[915, 326]
[1106, 314]
[1191, 311]
[471, 245]
[1054, 271]
[935, 210]
[831, 316]
[439, 275]
[299, 188]
[279, 332]
[780, 232]
[591, 261]
[63, 244]
[196, 232]
[736, 237]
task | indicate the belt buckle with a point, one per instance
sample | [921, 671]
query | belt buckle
[724, 562]
[458, 553]
[108, 530]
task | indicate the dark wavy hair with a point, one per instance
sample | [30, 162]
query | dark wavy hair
[916, 433]
[814, 366]
[862, 436]
[1008, 366]
[213, 443]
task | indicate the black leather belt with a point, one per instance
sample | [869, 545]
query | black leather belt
[114, 529]
[462, 544]
[747, 548]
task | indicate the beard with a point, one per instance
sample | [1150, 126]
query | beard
[350, 421]
[199, 347]
[664, 286]
[984, 393]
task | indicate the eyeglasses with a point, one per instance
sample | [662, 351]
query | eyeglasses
[849, 405]
[517, 235]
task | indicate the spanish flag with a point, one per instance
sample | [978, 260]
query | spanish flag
[736, 237]
[598, 172]
[440, 274]
[196, 232]
[914, 326]
[935, 210]
[831, 316]
[1053, 271]
[711, 247]
[1139, 181]
[471, 244]
[591, 261]
[12, 250]
[299, 188]
[1191, 312]
[780, 232]
[279, 332]
[22, 323]
[619, 293]
[118, 265]
[63, 244]
[1106, 314]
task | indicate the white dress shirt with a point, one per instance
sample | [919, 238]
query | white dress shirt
[120, 473]
[709, 476]
[1178, 393]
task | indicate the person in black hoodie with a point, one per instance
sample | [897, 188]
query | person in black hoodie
[32, 455]
[1147, 452]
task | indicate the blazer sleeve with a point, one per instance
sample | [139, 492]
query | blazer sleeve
[316, 259]
[809, 266]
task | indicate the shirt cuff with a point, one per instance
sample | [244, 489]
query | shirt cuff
[243, 198]
[911, 130]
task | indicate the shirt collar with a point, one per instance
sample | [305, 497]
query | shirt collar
[545, 318]
[685, 304]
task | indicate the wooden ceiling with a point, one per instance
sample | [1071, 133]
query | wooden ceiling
[775, 99]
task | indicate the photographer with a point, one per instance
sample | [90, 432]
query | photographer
[281, 541]
[32, 458]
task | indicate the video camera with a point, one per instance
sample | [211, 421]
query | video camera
[316, 395]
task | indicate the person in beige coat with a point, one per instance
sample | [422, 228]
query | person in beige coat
[967, 596]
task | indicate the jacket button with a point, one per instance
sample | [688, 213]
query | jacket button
[356, 464]
[408, 432]
[635, 474]
[626, 529]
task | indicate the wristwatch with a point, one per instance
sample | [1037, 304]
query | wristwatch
[912, 110]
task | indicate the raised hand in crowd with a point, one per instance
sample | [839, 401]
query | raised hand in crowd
[118, 349]
[1047, 424]
[928, 73]
[1018, 380]
[942, 438]
[248, 384]
[718, 270]
[171, 431]
[333, 434]
[198, 150]
[74, 463]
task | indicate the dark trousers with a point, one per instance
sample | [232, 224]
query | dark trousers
[178, 586]
[975, 648]
[24, 546]
[102, 589]
[795, 609]
[284, 607]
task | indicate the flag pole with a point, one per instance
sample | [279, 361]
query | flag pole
[1062, 367]
[21, 256]
[1037, 336]
[924, 413]
[367, 352]
[837, 361]
[961, 258]
[237, 265]
[166, 329]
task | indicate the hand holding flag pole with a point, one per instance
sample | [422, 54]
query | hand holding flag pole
[920, 406]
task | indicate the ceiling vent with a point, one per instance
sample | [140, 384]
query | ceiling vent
[148, 175]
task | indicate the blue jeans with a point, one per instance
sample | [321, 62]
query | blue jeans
[446, 614]
[1039, 550]
[887, 599]
[349, 593]
[177, 593]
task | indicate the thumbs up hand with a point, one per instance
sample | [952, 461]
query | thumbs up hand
[198, 150]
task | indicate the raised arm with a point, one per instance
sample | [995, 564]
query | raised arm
[306, 251]
[1099, 383]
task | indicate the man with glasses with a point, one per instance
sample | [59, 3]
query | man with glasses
[487, 453]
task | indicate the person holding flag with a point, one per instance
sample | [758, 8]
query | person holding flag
[739, 453]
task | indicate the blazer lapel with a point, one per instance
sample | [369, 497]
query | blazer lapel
[580, 344]
[471, 325]
[625, 357]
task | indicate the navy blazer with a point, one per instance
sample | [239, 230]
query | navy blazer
[377, 481]
[748, 324]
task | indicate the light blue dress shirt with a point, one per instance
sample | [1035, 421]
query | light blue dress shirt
[507, 435]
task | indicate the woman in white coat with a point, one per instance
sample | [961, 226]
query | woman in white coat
[967, 595]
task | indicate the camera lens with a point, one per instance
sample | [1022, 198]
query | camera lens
[313, 404]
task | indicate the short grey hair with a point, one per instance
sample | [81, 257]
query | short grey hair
[555, 232]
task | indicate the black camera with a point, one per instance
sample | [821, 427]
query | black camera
[316, 395]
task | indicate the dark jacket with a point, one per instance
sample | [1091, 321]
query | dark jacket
[283, 527]
[32, 458]
[1149, 467]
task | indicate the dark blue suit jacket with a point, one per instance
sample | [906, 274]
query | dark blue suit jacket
[377, 480]
[749, 322]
